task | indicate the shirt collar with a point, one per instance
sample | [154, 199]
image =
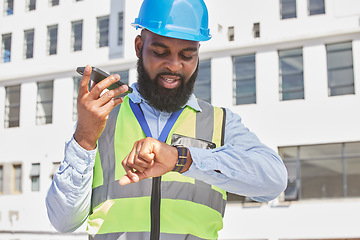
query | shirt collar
[136, 97]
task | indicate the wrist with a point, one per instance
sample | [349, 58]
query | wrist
[84, 142]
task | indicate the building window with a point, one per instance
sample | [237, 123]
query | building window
[120, 28]
[29, 44]
[287, 9]
[44, 104]
[8, 7]
[75, 96]
[31, 5]
[231, 34]
[55, 168]
[76, 81]
[17, 174]
[76, 38]
[340, 69]
[256, 30]
[291, 74]
[322, 171]
[1, 179]
[54, 3]
[244, 82]
[6, 48]
[12, 106]
[103, 31]
[52, 40]
[35, 177]
[316, 7]
[202, 88]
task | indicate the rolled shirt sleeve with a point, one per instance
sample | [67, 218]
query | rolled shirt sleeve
[244, 165]
[69, 196]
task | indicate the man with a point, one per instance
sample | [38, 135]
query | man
[159, 163]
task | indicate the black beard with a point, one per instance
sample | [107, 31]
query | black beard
[163, 99]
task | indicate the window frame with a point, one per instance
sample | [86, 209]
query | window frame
[337, 152]
[8, 11]
[1, 179]
[30, 5]
[120, 33]
[203, 80]
[53, 3]
[315, 11]
[290, 14]
[29, 47]
[9, 106]
[335, 69]
[102, 34]
[47, 117]
[251, 79]
[6, 50]
[76, 83]
[288, 54]
[17, 179]
[76, 38]
[52, 40]
[35, 177]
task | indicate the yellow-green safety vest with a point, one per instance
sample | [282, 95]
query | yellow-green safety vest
[190, 209]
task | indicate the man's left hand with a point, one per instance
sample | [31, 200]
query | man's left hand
[148, 158]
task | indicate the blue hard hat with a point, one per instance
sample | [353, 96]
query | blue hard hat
[183, 19]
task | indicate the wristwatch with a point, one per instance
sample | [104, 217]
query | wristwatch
[182, 156]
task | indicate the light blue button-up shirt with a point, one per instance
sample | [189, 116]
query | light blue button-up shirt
[246, 167]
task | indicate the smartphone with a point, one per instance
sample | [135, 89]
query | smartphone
[98, 75]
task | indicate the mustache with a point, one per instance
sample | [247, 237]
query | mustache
[182, 77]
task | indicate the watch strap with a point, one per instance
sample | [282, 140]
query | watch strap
[182, 157]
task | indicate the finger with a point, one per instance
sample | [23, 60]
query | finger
[124, 180]
[129, 170]
[141, 165]
[112, 94]
[106, 109]
[104, 84]
[84, 83]
[134, 161]
[141, 157]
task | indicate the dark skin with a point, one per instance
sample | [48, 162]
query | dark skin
[149, 157]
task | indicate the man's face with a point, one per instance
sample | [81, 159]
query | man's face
[167, 70]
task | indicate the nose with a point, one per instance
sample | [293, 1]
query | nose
[173, 63]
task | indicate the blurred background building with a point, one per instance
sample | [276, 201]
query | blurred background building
[290, 68]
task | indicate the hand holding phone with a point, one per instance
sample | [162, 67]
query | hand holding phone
[98, 75]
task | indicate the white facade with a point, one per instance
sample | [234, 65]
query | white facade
[316, 119]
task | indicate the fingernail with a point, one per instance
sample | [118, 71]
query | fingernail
[87, 68]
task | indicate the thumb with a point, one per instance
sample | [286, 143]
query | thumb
[137, 176]
[124, 180]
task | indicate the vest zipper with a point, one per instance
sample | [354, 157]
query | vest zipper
[155, 208]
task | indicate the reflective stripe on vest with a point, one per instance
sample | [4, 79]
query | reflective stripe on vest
[186, 203]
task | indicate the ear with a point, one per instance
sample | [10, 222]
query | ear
[138, 45]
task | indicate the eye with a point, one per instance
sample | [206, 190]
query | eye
[158, 54]
[186, 58]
